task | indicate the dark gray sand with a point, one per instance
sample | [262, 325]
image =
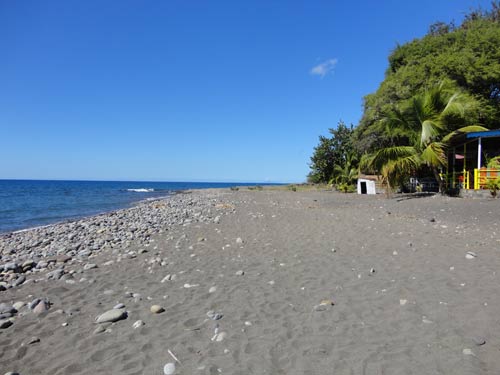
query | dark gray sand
[266, 282]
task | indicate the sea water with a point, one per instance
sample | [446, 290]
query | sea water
[31, 203]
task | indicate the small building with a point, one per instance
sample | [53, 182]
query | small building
[366, 186]
[468, 159]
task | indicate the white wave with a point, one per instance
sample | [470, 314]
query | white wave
[141, 190]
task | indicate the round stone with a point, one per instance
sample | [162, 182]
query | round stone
[112, 316]
[157, 309]
[169, 368]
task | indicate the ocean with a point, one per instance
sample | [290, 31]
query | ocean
[31, 203]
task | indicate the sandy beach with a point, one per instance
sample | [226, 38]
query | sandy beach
[258, 282]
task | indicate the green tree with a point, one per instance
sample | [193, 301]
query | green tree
[420, 133]
[332, 155]
[467, 56]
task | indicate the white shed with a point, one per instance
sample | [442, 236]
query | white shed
[366, 186]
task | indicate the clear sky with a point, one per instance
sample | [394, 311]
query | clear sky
[191, 90]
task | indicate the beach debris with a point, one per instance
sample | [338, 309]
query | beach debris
[324, 305]
[467, 351]
[403, 302]
[157, 309]
[168, 278]
[187, 285]
[174, 356]
[138, 324]
[111, 316]
[214, 315]
[218, 337]
[248, 324]
[479, 340]
[372, 272]
[169, 368]
[470, 255]
[240, 273]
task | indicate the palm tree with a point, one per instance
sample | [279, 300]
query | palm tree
[421, 133]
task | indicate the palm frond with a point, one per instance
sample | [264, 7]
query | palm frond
[434, 154]
[430, 130]
[465, 129]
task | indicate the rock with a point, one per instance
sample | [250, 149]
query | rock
[168, 278]
[372, 271]
[212, 289]
[41, 307]
[89, 266]
[169, 368]
[137, 324]
[11, 373]
[21, 279]
[157, 309]
[5, 308]
[56, 274]
[119, 306]
[240, 273]
[470, 255]
[248, 324]
[218, 337]
[5, 323]
[239, 240]
[112, 316]
[33, 340]
[467, 352]
[18, 305]
[33, 303]
[99, 329]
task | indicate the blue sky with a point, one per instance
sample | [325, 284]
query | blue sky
[191, 90]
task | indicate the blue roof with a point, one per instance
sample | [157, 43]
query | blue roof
[485, 134]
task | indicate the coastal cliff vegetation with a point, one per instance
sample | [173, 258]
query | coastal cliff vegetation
[436, 86]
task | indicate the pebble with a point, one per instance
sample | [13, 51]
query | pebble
[41, 307]
[33, 340]
[89, 266]
[168, 278]
[470, 255]
[218, 337]
[212, 289]
[5, 323]
[403, 302]
[240, 273]
[467, 351]
[239, 240]
[99, 329]
[112, 316]
[169, 368]
[137, 324]
[119, 306]
[248, 324]
[157, 309]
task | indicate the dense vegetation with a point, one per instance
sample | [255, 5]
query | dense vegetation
[445, 82]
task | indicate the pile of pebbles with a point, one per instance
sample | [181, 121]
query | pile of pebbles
[50, 249]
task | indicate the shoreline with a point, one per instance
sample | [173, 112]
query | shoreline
[257, 281]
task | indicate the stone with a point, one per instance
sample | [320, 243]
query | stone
[89, 266]
[470, 255]
[119, 306]
[320, 307]
[137, 324]
[169, 368]
[41, 307]
[239, 241]
[112, 316]
[33, 340]
[157, 309]
[99, 329]
[403, 302]
[5, 323]
[219, 336]
[5, 308]
[240, 273]
[19, 281]
[212, 289]
[467, 352]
